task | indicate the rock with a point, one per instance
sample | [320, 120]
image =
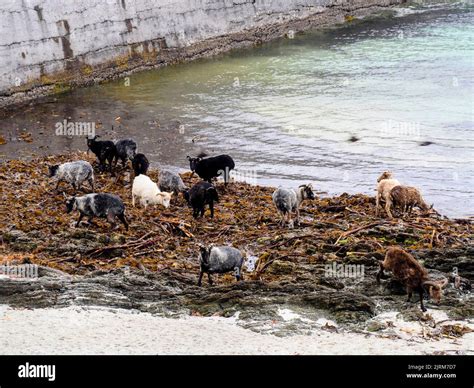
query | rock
[280, 267]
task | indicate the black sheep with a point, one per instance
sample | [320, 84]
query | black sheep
[201, 194]
[212, 167]
[104, 150]
[126, 149]
[140, 164]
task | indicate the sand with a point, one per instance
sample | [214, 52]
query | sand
[77, 330]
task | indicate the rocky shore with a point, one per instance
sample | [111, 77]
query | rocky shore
[325, 268]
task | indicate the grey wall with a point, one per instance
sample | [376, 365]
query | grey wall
[79, 42]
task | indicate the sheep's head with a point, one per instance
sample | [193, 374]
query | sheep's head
[435, 289]
[193, 162]
[90, 140]
[53, 170]
[71, 204]
[204, 253]
[164, 198]
[307, 191]
[385, 175]
[212, 193]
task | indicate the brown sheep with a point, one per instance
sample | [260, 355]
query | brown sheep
[406, 198]
[412, 274]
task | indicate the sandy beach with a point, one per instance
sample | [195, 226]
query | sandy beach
[77, 330]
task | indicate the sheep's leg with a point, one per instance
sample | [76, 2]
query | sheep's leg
[238, 274]
[111, 219]
[195, 213]
[420, 292]
[122, 218]
[202, 210]
[388, 205]
[410, 294]
[210, 279]
[211, 207]
[200, 279]
[297, 216]
[290, 221]
[377, 203]
[91, 182]
[381, 274]
[133, 200]
[79, 220]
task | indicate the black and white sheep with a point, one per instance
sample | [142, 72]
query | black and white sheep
[212, 167]
[102, 205]
[289, 200]
[126, 149]
[104, 150]
[201, 194]
[74, 173]
[170, 181]
[220, 259]
[140, 164]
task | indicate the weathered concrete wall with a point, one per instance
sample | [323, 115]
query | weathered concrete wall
[47, 46]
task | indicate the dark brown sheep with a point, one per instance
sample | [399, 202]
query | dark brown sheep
[412, 274]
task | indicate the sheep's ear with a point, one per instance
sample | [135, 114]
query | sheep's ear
[188, 157]
[431, 207]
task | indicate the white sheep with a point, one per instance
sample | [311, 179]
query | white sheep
[148, 192]
[385, 183]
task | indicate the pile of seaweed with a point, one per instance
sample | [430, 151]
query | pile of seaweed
[342, 229]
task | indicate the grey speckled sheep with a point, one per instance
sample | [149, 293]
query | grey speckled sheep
[171, 182]
[74, 173]
[288, 200]
[220, 260]
[101, 205]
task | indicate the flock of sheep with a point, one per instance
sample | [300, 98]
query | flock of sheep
[214, 259]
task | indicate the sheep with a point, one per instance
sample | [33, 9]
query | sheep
[148, 192]
[412, 274]
[212, 167]
[74, 173]
[289, 200]
[385, 183]
[219, 259]
[199, 195]
[125, 149]
[104, 150]
[169, 181]
[101, 205]
[140, 164]
[406, 198]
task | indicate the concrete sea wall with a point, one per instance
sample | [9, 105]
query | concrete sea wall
[49, 46]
